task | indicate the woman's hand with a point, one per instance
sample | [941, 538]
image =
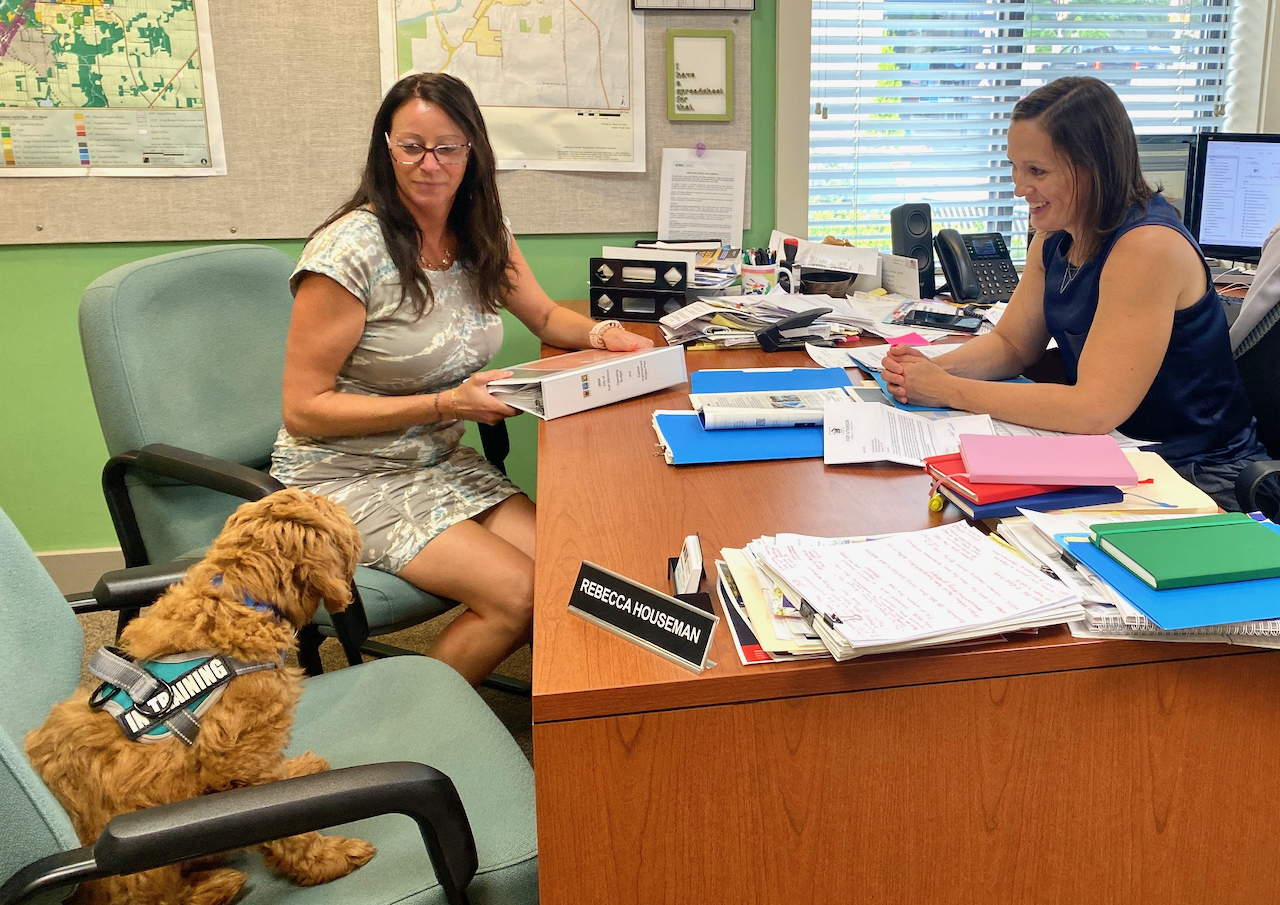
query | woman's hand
[912, 377]
[472, 401]
[617, 339]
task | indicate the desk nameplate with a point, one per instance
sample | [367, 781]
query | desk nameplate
[664, 625]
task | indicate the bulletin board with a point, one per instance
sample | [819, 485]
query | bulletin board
[298, 94]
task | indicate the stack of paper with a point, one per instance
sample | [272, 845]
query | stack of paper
[912, 590]
[1121, 605]
[715, 264]
[730, 321]
[1159, 489]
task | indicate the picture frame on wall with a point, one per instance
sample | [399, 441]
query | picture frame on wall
[699, 74]
[695, 5]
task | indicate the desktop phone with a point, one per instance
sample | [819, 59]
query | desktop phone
[977, 266]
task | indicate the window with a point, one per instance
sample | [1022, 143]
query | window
[910, 99]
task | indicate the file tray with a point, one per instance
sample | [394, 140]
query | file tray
[634, 304]
[637, 290]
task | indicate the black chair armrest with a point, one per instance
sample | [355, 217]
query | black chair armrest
[132, 589]
[1250, 480]
[226, 821]
[206, 471]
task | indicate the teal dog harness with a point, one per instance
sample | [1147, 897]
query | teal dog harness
[154, 700]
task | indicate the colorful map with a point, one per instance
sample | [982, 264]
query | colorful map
[558, 79]
[111, 83]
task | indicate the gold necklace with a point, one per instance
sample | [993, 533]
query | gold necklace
[446, 260]
[444, 264]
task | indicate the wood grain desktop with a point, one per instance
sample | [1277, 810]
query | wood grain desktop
[1037, 770]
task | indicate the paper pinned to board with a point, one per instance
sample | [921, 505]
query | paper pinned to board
[703, 195]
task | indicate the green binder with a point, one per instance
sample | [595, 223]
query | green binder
[1190, 552]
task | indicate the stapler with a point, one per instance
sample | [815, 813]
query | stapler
[790, 333]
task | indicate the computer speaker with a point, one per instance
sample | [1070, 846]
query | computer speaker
[912, 229]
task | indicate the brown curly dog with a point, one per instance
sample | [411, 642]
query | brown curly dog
[274, 562]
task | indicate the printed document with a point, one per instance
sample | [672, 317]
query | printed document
[867, 432]
[703, 195]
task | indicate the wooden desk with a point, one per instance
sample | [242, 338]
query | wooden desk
[1041, 770]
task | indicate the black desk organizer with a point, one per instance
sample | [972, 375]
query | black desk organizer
[637, 290]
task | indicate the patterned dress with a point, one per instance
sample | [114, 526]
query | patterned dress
[403, 487]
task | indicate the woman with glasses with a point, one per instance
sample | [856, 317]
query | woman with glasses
[396, 301]
[1115, 278]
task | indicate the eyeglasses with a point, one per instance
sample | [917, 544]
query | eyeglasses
[411, 153]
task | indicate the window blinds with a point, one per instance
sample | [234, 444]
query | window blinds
[911, 99]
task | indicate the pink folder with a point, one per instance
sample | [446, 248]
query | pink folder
[1073, 460]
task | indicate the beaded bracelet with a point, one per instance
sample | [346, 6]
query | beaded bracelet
[596, 336]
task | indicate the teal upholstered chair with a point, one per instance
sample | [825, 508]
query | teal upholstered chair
[378, 723]
[185, 351]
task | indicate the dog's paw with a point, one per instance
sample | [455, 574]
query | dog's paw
[305, 764]
[311, 859]
[340, 857]
[214, 887]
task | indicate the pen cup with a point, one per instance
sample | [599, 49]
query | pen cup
[759, 279]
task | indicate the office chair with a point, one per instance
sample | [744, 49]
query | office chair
[1259, 368]
[473, 807]
[185, 354]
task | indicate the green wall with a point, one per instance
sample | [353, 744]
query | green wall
[51, 451]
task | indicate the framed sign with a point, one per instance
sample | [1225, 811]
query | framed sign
[699, 74]
[695, 5]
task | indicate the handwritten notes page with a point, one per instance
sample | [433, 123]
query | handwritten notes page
[942, 584]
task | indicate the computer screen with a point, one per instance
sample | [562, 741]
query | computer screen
[1236, 194]
[1166, 161]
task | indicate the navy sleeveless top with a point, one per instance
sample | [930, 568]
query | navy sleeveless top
[1196, 408]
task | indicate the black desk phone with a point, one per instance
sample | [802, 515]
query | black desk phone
[977, 266]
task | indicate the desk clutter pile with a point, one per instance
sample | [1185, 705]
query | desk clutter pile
[733, 321]
[792, 597]
[1091, 531]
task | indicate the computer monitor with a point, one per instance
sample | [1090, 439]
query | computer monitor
[1235, 198]
[1166, 161]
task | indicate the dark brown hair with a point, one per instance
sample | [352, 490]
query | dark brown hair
[1090, 129]
[476, 215]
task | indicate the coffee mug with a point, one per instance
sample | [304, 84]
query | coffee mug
[759, 279]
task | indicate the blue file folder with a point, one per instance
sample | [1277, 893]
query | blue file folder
[1214, 604]
[688, 444]
[908, 407]
[763, 380]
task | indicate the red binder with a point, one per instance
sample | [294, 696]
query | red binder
[950, 470]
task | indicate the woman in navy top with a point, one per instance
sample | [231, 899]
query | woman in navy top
[1116, 279]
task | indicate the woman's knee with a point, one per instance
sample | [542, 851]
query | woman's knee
[515, 607]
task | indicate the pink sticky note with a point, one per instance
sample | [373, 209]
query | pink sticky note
[907, 339]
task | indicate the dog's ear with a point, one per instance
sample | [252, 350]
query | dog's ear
[312, 542]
